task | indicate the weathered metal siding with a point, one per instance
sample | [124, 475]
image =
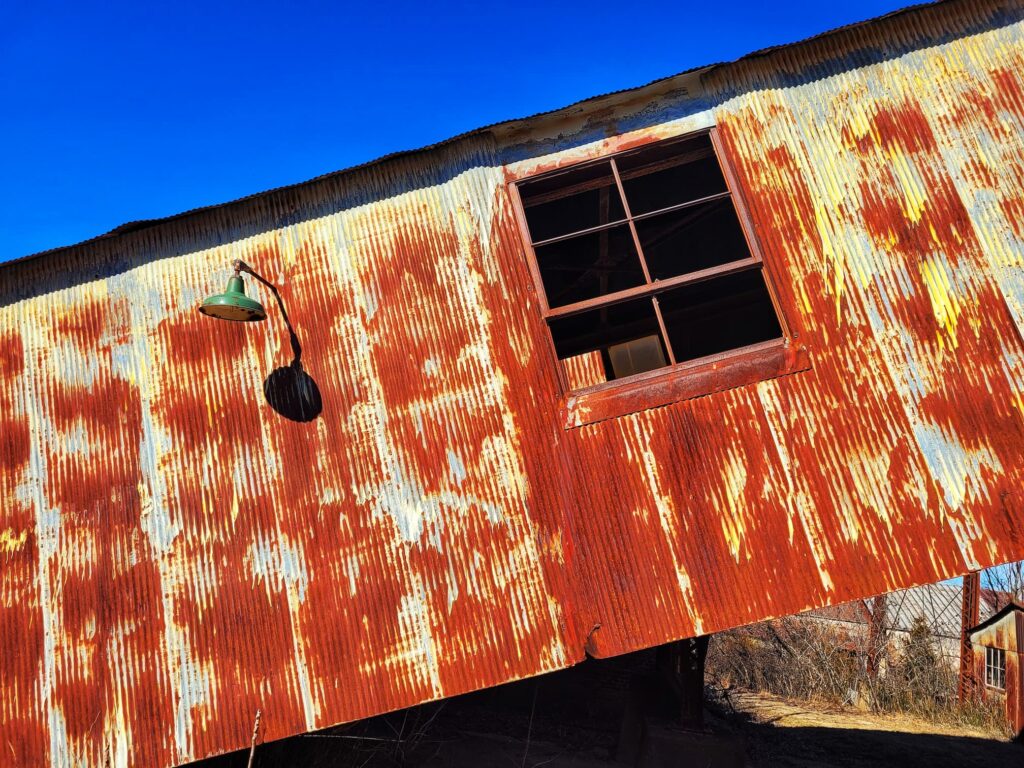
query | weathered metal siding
[176, 555]
[1006, 634]
[886, 189]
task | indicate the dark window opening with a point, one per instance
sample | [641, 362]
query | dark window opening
[644, 262]
[620, 332]
[715, 316]
[587, 266]
[669, 174]
[571, 201]
[692, 239]
[995, 668]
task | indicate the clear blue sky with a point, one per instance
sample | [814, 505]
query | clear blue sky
[119, 111]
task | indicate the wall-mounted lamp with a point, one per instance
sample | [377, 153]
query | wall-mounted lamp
[233, 304]
[289, 390]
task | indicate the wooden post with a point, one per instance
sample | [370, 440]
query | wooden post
[255, 734]
[683, 665]
[877, 639]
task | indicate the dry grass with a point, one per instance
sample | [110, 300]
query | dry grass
[807, 661]
[782, 733]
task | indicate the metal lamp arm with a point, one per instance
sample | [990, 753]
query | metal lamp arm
[241, 266]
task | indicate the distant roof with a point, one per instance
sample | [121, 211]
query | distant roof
[940, 605]
[133, 226]
[853, 612]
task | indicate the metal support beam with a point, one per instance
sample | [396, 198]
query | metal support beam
[969, 617]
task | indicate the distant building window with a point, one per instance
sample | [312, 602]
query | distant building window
[643, 262]
[995, 668]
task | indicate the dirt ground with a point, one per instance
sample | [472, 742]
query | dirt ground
[794, 735]
[574, 719]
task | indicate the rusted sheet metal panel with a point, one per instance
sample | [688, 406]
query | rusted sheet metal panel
[1000, 634]
[1005, 633]
[1010, 698]
[176, 555]
[884, 194]
[179, 555]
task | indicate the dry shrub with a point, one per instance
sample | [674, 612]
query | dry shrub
[788, 657]
[802, 659]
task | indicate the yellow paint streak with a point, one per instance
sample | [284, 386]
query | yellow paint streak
[860, 124]
[10, 542]
[831, 256]
[914, 199]
[1018, 402]
[945, 306]
[733, 525]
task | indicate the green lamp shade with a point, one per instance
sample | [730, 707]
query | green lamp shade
[233, 304]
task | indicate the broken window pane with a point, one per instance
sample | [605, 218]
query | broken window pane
[571, 201]
[691, 239]
[587, 266]
[609, 327]
[718, 315]
[670, 173]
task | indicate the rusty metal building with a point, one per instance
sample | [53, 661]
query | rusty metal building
[463, 512]
[998, 645]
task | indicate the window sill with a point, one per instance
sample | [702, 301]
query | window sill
[684, 381]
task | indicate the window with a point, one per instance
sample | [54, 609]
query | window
[643, 262]
[995, 668]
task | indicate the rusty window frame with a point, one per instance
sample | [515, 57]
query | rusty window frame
[995, 668]
[652, 288]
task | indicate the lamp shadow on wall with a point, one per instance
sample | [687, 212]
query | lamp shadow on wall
[293, 393]
[289, 390]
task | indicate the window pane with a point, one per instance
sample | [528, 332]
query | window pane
[636, 356]
[587, 266]
[571, 201]
[995, 667]
[610, 328]
[718, 315]
[668, 174]
[692, 238]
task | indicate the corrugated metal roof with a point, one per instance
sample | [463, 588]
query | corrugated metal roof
[939, 605]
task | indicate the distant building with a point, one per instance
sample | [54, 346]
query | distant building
[939, 605]
[998, 644]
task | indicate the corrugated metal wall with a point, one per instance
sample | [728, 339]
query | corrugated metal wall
[198, 556]
[175, 554]
[887, 191]
[1007, 634]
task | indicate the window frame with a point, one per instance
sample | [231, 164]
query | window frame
[751, 357]
[991, 668]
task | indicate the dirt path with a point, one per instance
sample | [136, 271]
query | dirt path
[794, 735]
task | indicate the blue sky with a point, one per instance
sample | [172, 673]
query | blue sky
[120, 111]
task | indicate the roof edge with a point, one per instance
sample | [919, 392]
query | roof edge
[998, 616]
